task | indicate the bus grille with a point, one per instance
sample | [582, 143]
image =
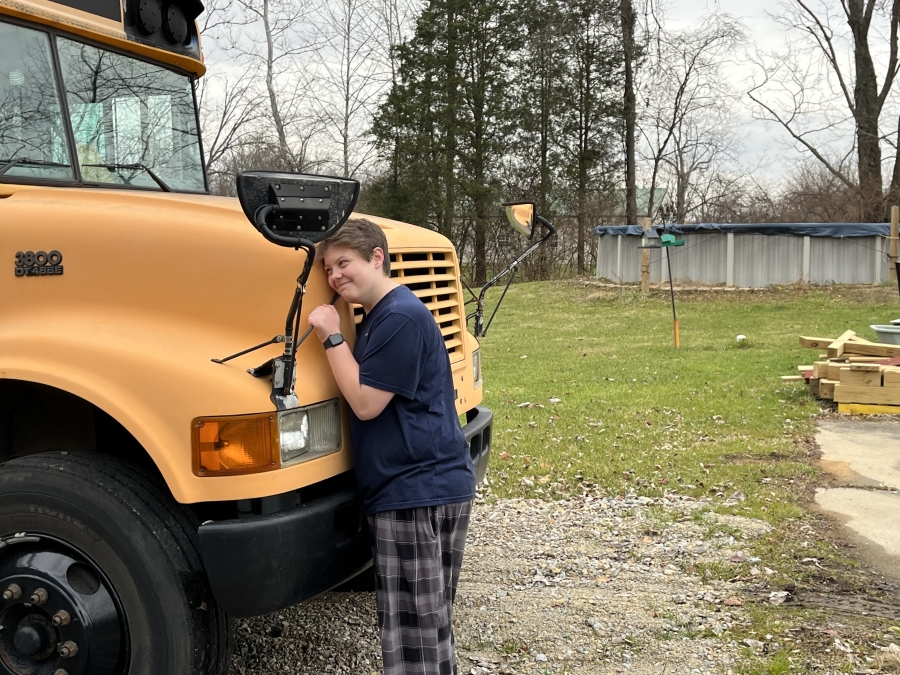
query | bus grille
[431, 276]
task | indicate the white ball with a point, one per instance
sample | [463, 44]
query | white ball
[741, 338]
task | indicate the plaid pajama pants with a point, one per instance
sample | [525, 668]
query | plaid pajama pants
[418, 553]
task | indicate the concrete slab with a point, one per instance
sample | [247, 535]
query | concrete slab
[862, 452]
[872, 514]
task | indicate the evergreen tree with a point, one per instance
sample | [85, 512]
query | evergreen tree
[444, 128]
[590, 122]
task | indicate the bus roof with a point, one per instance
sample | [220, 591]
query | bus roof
[140, 27]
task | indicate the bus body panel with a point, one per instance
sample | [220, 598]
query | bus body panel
[153, 287]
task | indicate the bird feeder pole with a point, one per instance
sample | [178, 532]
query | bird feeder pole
[672, 294]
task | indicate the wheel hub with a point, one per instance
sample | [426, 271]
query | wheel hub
[57, 615]
[29, 639]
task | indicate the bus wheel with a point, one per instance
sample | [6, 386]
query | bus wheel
[99, 574]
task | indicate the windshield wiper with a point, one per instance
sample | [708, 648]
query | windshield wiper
[10, 163]
[112, 166]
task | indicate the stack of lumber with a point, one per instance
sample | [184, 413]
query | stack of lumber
[862, 377]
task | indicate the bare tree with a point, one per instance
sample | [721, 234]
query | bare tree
[394, 20]
[704, 165]
[685, 101]
[629, 108]
[350, 75]
[814, 88]
[287, 40]
[228, 111]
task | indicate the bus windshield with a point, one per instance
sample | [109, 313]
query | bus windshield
[128, 116]
[130, 122]
[31, 121]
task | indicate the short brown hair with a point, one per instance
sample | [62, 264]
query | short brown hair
[362, 236]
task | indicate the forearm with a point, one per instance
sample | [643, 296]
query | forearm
[366, 402]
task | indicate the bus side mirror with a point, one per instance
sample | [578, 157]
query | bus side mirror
[291, 207]
[521, 216]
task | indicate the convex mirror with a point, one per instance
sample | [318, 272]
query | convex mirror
[286, 206]
[521, 216]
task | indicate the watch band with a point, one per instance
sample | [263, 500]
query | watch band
[333, 340]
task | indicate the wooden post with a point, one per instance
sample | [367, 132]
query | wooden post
[645, 259]
[895, 220]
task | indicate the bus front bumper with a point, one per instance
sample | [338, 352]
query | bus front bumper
[478, 431]
[262, 564]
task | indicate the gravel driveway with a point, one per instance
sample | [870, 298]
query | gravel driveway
[589, 585]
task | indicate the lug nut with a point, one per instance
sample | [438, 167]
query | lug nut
[68, 649]
[61, 618]
[12, 592]
[39, 597]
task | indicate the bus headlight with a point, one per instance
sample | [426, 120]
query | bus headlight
[312, 431]
[476, 368]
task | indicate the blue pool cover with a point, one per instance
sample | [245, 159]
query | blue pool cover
[796, 229]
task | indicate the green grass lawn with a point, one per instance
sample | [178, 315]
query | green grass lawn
[635, 415]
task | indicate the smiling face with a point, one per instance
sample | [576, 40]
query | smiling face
[356, 279]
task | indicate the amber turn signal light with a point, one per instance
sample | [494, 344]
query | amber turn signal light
[234, 445]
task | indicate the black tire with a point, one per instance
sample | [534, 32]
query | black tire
[122, 521]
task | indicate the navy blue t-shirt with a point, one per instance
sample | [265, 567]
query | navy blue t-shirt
[414, 453]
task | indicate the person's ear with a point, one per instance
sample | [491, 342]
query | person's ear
[378, 257]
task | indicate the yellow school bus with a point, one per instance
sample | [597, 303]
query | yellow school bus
[150, 487]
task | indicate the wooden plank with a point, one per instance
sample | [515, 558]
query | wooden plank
[864, 367]
[844, 393]
[891, 377]
[874, 349]
[826, 388]
[792, 378]
[820, 369]
[814, 386]
[861, 378]
[837, 347]
[833, 371]
[868, 409]
[815, 343]
[803, 369]
[857, 338]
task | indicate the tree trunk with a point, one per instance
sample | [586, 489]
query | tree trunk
[866, 113]
[270, 87]
[347, 74]
[893, 196]
[481, 192]
[450, 100]
[626, 11]
[545, 130]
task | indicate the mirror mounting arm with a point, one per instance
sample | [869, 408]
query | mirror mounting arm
[284, 367]
[480, 328]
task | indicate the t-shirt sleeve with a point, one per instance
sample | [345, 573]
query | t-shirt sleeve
[394, 357]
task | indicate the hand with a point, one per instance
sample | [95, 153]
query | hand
[326, 320]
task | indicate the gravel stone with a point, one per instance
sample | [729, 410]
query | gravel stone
[586, 585]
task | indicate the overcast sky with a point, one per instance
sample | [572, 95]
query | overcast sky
[767, 145]
[767, 149]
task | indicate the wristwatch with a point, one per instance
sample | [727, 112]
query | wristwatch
[333, 340]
